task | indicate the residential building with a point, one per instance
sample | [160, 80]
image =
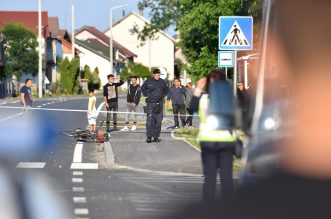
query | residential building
[95, 52]
[156, 52]
[29, 19]
[66, 44]
[54, 50]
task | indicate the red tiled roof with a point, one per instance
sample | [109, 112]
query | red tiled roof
[67, 46]
[54, 27]
[27, 18]
[105, 39]
[65, 35]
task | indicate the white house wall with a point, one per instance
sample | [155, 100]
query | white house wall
[92, 60]
[154, 53]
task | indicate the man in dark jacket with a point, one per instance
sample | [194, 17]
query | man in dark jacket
[110, 95]
[133, 99]
[177, 96]
[155, 89]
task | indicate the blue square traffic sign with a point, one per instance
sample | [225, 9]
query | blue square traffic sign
[235, 33]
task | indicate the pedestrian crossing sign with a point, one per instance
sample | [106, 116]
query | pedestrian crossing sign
[235, 33]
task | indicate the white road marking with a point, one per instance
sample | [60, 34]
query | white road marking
[31, 165]
[77, 180]
[79, 199]
[85, 166]
[39, 106]
[78, 189]
[82, 218]
[78, 153]
[15, 101]
[4, 119]
[44, 104]
[77, 173]
[81, 211]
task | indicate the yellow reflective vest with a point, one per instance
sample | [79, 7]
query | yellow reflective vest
[207, 133]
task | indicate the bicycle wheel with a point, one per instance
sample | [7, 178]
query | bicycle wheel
[71, 133]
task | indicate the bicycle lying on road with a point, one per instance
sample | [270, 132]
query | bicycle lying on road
[99, 136]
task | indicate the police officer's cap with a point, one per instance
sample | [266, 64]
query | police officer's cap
[156, 71]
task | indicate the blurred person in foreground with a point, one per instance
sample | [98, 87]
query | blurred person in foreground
[300, 48]
[217, 143]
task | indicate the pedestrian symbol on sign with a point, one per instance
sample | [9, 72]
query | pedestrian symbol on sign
[235, 37]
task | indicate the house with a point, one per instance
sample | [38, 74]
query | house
[67, 45]
[156, 52]
[95, 52]
[54, 50]
[29, 19]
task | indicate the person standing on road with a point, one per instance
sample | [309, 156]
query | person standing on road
[155, 89]
[217, 145]
[92, 114]
[188, 98]
[110, 95]
[133, 99]
[177, 96]
[26, 97]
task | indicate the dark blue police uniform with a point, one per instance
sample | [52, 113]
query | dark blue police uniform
[155, 91]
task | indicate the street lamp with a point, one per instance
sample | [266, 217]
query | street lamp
[111, 35]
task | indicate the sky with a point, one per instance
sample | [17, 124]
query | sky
[87, 12]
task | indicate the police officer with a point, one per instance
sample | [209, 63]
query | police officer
[155, 89]
[217, 142]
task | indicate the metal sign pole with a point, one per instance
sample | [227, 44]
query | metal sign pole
[246, 74]
[235, 74]
[226, 73]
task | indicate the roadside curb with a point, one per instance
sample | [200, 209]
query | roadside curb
[183, 139]
[109, 154]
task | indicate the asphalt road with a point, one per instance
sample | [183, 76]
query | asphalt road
[146, 180]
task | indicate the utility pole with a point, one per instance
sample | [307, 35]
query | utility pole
[40, 74]
[111, 61]
[73, 30]
[111, 41]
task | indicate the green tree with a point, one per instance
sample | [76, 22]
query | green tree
[69, 72]
[21, 54]
[135, 69]
[197, 22]
[95, 81]
[87, 72]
